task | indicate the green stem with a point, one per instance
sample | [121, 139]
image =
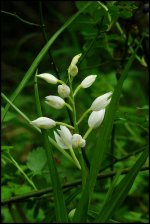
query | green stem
[81, 159]
[76, 90]
[64, 124]
[22, 20]
[70, 108]
[82, 117]
[13, 106]
[87, 133]
[75, 158]
[21, 171]
[62, 151]
[60, 81]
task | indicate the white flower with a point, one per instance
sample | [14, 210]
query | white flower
[44, 122]
[64, 139]
[78, 141]
[73, 69]
[55, 101]
[101, 102]
[96, 118]
[88, 81]
[48, 78]
[63, 90]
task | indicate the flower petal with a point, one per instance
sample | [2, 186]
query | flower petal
[66, 136]
[59, 141]
[96, 118]
[101, 102]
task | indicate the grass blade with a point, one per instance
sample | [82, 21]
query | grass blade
[106, 128]
[60, 207]
[121, 191]
[39, 58]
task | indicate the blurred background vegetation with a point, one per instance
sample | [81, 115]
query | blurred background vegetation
[106, 52]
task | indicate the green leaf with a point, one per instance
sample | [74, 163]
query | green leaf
[36, 160]
[121, 191]
[106, 128]
[20, 190]
[60, 208]
[6, 192]
[59, 202]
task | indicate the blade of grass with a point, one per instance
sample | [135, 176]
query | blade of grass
[100, 151]
[60, 207]
[113, 185]
[119, 194]
[106, 128]
[39, 58]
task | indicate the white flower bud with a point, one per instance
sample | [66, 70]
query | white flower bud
[63, 90]
[78, 141]
[73, 69]
[64, 139]
[96, 118]
[44, 122]
[101, 102]
[48, 78]
[75, 59]
[55, 101]
[88, 81]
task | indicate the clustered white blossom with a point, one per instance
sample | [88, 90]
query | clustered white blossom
[64, 138]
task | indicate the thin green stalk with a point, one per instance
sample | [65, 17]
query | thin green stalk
[20, 169]
[22, 20]
[64, 124]
[74, 157]
[87, 133]
[76, 90]
[83, 116]
[39, 58]
[15, 108]
[112, 144]
[69, 107]
[82, 162]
